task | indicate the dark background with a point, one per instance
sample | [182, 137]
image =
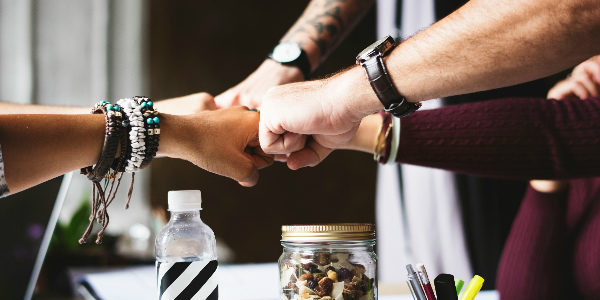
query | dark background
[211, 46]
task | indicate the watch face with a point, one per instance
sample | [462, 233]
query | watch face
[286, 52]
[380, 47]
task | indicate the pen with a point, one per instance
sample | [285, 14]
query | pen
[412, 292]
[425, 281]
[415, 285]
[473, 288]
[444, 286]
[459, 285]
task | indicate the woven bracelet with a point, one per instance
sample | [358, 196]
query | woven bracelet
[114, 129]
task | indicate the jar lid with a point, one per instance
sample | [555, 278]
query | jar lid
[328, 232]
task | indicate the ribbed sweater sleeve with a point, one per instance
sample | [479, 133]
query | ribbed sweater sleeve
[515, 138]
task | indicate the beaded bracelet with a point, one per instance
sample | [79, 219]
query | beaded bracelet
[152, 126]
[137, 147]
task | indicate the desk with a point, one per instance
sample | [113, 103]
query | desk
[236, 282]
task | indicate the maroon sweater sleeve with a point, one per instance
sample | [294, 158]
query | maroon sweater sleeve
[522, 138]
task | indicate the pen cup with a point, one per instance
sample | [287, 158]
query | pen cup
[328, 262]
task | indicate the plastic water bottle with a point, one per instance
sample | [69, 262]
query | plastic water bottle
[186, 254]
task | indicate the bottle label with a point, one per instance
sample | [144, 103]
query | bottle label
[195, 280]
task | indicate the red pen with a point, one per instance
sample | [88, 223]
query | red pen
[425, 282]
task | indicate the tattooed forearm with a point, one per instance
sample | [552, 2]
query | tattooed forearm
[323, 25]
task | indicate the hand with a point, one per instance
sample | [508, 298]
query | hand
[330, 110]
[223, 141]
[186, 104]
[584, 81]
[250, 92]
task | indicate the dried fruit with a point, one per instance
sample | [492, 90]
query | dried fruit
[344, 274]
[306, 276]
[330, 268]
[311, 284]
[318, 276]
[325, 287]
[310, 267]
[323, 259]
[332, 275]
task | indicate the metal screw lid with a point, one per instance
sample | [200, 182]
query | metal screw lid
[328, 232]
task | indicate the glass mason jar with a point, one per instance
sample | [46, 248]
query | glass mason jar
[328, 262]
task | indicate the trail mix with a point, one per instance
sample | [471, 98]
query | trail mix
[332, 277]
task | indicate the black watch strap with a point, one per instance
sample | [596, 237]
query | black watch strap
[301, 63]
[384, 88]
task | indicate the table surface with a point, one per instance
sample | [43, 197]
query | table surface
[236, 282]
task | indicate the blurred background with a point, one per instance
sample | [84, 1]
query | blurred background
[72, 52]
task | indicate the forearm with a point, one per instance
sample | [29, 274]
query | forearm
[492, 44]
[324, 24]
[12, 108]
[36, 148]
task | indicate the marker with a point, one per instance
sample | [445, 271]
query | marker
[473, 288]
[425, 281]
[444, 286]
[415, 285]
[459, 285]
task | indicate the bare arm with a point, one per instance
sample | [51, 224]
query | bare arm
[36, 148]
[324, 24]
[481, 46]
[12, 108]
[321, 27]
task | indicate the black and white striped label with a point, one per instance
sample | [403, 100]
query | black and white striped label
[195, 280]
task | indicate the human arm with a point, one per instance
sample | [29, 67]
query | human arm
[318, 31]
[521, 138]
[483, 45]
[176, 106]
[36, 148]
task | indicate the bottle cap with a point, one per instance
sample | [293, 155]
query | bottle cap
[328, 232]
[187, 200]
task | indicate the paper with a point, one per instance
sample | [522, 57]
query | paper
[236, 282]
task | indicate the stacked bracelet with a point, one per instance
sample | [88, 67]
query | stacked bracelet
[112, 137]
[152, 126]
[133, 124]
[137, 147]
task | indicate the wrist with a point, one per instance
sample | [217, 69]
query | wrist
[286, 74]
[366, 136]
[352, 89]
[172, 137]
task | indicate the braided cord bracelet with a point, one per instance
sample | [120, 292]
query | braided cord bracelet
[100, 201]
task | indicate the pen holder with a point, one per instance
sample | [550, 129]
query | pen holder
[328, 262]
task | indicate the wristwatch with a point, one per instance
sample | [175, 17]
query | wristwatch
[290, 54]
[371, 59]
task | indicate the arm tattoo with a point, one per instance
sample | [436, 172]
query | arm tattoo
[325, 22]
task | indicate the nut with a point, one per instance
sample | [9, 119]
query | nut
[332, 275]
[306, 276]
